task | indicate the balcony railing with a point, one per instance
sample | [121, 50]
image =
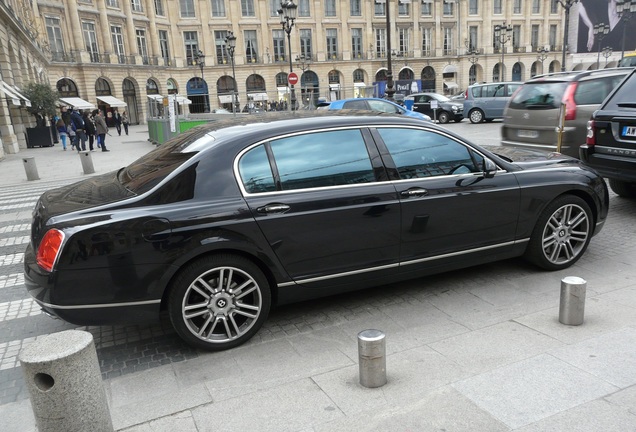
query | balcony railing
[519, 49]
[64, 57]
[126, 59]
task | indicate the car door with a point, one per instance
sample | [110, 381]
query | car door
[317, 199]
[422, 104]
[450, 209]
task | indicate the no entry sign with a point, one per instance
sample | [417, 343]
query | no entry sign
[292, 78]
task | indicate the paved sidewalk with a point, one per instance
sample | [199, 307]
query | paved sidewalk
[53, 163]
[477, 350]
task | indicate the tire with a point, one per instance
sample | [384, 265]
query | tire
[562, 233]
[476, 116]
[443, 117]
[624, 189]
[214, 316]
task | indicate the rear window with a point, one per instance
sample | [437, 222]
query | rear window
[539, 95]
[628, 61]
[594, 91]
[624, 97]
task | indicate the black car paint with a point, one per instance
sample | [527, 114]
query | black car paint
[128, 249]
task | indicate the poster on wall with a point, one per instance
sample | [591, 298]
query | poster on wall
[601, 13]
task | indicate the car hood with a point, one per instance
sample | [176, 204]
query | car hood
[526, 158]
[99, 190]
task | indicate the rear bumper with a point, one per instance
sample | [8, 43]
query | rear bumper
[610, 166]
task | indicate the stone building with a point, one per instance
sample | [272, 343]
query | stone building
[129, 54]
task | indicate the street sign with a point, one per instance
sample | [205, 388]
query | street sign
[292, 78]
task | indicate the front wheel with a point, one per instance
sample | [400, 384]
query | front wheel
[476, 116]
[443, 117]
[219, 302]
[561, 234]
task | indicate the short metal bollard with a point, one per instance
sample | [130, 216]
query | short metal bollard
[572, 305]
[30, 168]
[87, 162]
[64, 381]
[372, 358]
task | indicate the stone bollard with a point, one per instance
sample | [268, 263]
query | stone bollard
[372, 358]
[30, 168]
[572, 305]
[63, 378]
[87, 162]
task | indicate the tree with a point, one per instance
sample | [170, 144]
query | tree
[43, 101]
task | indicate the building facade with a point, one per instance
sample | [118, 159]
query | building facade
[129, 54]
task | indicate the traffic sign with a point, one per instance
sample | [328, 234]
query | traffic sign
[292, 78]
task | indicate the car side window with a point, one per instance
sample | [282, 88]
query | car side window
[256, 172]
[419, 153]
[359, 105]
[511, 88]
[382, 106]
[476, 91]
[499, 90]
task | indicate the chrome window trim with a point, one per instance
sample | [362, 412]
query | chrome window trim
[401, 264]
[99, 305]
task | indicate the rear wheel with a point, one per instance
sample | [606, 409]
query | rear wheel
[219, 302]
[624, 189]
[443, 117]
[561, 234]
[476, 116]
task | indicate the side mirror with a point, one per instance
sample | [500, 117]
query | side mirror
[490, 168]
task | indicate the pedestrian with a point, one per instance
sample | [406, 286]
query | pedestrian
[124, 121]
[62, 131]
[117, 120]
[77, 124]
[101, 128]
[89, 129]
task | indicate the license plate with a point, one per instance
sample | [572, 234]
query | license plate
[629, 131]
[527, 134]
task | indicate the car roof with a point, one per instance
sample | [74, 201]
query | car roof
[578, 75]
[495, 82]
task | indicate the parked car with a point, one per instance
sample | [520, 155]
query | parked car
[486, 102]
[532, 114]
[446, 110]
[629, 60]
[232, 217]
[610, 146]
[371, 104]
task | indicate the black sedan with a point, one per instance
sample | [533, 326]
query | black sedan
[437, 106]
[228, 219]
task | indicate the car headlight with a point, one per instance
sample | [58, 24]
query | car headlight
[454, 108]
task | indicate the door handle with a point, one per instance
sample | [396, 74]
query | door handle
[414, 192]
[273, 208]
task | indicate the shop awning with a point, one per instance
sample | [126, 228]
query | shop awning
[359, 84]
[257, 96]
[156, 97]
[450, 69]
[112, 101]
[227, 99]
[9, 94]
[76, 102]
[17, 92]
[181, 100]
[451, 85]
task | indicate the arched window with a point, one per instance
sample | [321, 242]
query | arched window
[516, 72]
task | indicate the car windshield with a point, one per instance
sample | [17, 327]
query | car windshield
[149, 170]
[539, 95]
[441, 98]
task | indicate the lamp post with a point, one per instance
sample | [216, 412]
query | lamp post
[625, 9]
[473, 57]
[542, 54]
[503, 33]
[390, 91]
[567, 4]
[230, 45]
[607, 51]
[304, 63]
[199, 60]
[287, 14]
[600, 31]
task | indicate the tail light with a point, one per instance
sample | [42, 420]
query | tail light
[466, 94]
[590, 138]
[49, 249]
[568, 100]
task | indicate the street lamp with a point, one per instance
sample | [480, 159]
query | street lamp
[199, 60]
[473, 57]
[390, 91]
[503, 33]
[607, 51]
[600, 31]
[230, 45]
[287, 14]
[625, 9]
[304, 62]
[567, 4]
[542, 54]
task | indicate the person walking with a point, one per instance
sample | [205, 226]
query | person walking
[117, 121]
[89, 128]
[77, 124]
[101, 128]
[62, 132]
[124, 121]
